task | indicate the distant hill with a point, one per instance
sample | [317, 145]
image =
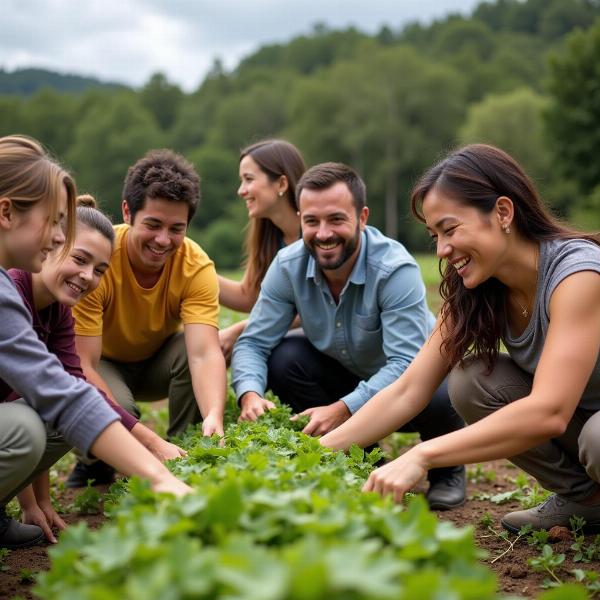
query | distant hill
[24, 82]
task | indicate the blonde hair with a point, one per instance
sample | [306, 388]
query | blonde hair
[28, 175]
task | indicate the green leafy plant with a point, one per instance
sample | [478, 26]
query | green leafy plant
[274, 515]
[27, 576]
[88, 502]
[549, 562]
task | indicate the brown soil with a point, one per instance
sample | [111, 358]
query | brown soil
[515, 577]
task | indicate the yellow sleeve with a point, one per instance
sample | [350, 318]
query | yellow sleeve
[200, 303]
[89, 312]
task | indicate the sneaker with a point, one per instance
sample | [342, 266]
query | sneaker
[15, 535]
[99, 473]
[448, 491]
[555, 510]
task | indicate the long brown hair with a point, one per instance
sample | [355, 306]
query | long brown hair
[28, 175]
[477, 175]
[275, 158]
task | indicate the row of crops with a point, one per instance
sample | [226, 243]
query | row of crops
[274, 516]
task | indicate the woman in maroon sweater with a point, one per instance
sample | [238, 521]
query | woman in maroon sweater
[49, 296]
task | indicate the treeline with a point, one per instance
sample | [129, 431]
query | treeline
[524, 75]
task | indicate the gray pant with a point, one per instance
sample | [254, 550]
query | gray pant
[166, 374]
[568, 465]
[27, 448]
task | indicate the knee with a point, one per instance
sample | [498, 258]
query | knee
[589, 449]
[282, 360]
[27, 439]
[465, 391]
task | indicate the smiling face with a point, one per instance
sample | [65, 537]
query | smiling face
[330, 226]
[30, 236]
[471, 241]
[257, 190]
[156, 233]
[68, 279]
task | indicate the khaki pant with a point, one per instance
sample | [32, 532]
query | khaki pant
[568, 465]
[166, 374]
[27, 448]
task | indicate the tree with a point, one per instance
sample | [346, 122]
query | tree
[162, 99]
[573, 116]
[513, 122]
[111, 136]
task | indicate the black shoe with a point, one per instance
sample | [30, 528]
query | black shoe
[15, 535]
[99, 473]
[448, 491]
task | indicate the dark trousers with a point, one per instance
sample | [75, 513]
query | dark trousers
[303, 378]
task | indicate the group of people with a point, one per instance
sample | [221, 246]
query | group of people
[339, 327]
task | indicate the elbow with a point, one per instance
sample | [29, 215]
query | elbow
[552, 426]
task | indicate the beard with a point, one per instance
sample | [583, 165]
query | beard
[347, 250]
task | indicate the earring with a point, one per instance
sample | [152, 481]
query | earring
[506, 229]
[280, 194]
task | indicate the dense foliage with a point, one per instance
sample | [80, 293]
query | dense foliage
[388, 104]
[274, 516]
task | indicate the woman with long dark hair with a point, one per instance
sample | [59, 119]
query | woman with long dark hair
[269, 172]
[514, 275]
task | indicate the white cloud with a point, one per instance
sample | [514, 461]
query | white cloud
[128, 40]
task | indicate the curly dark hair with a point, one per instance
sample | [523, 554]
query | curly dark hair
[477, 175]
[161, 174]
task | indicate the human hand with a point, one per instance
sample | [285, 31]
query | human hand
[253, 406]
[164, 450]
[227, 339]
[212, 424]
[171, 485]
[324, 418]
[398, 476]
[34, 515]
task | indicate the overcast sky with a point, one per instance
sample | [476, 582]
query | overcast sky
[128, 40]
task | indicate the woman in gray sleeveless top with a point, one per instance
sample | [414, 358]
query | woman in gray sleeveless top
[513, 274]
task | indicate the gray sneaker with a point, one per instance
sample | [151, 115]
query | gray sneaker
[555, 510]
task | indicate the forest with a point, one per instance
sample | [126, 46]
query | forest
[524, 75]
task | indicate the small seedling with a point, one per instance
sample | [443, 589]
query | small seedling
[538, 538]
[549, 562]
[88, 502]
[26, 576]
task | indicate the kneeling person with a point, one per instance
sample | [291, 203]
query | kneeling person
[361, 301]
[129, 330]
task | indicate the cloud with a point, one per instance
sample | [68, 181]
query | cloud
[128, 40]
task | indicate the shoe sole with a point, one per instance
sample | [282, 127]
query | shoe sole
[587, 529]
[442, 506]
[34, 542]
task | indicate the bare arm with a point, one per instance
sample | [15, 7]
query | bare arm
[90, 351]
[207, 368]
[569, 355]
[237, 295]
[398, 403]
[117, 447]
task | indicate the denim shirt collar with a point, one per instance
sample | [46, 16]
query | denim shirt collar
[358, 276]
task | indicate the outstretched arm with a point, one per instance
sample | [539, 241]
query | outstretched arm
[207, 368]
[398, 403]
[569, 355]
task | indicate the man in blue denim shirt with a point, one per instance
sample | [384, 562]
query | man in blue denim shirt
[361, 301]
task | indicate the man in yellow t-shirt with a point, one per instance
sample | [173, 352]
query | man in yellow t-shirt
[150, 329]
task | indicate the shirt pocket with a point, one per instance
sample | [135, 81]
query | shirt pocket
[368, 323]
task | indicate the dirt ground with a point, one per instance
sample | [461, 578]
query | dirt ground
[515, 577]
